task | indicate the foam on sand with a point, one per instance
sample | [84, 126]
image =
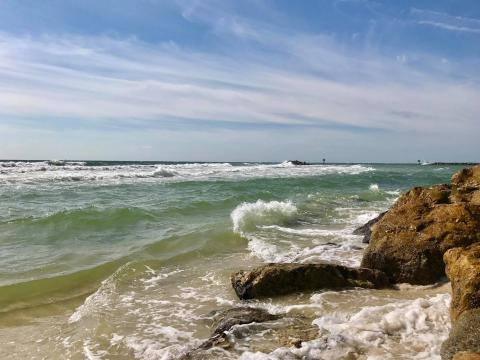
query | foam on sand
[410, 329]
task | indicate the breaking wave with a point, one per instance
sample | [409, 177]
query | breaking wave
[247, 216]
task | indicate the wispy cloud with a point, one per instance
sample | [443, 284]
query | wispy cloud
[106, 78]
[257, 76]
[446, 21]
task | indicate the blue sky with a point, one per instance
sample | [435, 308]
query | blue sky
[348, 80]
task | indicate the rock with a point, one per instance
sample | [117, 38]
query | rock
[298, 162]
[280, 279]
[466, 355]
[227, 319]
[464, 336]
[408, 243]
[295, 335]
[223, 321]
[463, 270]
[466, 185]
[366, 229]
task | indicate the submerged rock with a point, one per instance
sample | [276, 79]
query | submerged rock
[464, 336]
[295, 335]
[463, 270]
[280, 279]
[408, 243]
[227, 319]
[366, 229]
[224, 321]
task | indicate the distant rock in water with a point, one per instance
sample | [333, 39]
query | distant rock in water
[56, 162]
[280, 279]
[298, 162]
[408, 243]
[463, 270]
[366, 229]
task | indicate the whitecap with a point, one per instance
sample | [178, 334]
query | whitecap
[247, 216]
[163, 172]
[374, 187]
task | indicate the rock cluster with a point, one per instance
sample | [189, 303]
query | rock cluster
[409, 241]
[429, 232]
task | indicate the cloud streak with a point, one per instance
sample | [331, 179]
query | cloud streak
[447, 22]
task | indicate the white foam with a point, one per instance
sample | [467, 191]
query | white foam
[162, 172]
[247, 216]
[45, 171]
[409, 329]
[374, 187]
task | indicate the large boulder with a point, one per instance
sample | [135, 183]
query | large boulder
[279, 279]
[464, 336]
[408, 243]
[463, 270]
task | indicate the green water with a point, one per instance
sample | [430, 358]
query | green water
[65, 229]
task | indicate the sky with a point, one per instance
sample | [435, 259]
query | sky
[220, 80]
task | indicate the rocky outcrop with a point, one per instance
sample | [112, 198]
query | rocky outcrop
[366, 229]
[280, 279]
[464, 336]
[463, 270]
[408, 243]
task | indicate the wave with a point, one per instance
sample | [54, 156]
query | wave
[90, 217]
[247, 216]
[47, 291]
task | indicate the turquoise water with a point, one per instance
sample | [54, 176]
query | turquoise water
[66, 227]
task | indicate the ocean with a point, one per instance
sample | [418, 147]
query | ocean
[128, 260]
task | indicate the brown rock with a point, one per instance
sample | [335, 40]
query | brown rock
[280, 279]
[408, 243]
[466, 185]
[463, 270]
[464, 336]
[465, 355]
[224, 321]
[227, 319]
[366, 229]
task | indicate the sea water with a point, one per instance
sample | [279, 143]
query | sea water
[127, 260]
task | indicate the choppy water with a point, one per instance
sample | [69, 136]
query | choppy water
[112, 260]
